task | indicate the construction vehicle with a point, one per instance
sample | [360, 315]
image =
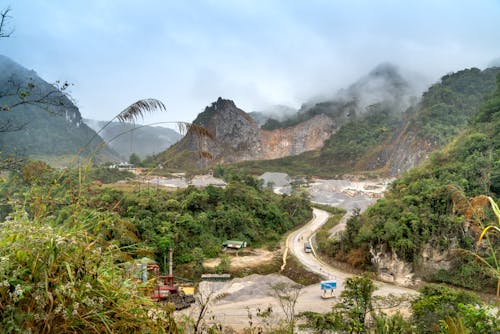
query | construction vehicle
[164, 289]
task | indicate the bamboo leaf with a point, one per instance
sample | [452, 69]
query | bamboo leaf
[495, 208]
[485, 230]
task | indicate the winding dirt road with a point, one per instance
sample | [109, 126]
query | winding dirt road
[295, 242]
[239, 297]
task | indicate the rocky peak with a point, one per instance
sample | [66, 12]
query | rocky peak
[222, 104]
[238, 137]
[221, 109]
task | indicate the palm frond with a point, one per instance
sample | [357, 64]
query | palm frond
[196, 130]
[478, 258]
[137, 109]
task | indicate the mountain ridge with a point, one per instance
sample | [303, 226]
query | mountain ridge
[128, 138]
[38, 119]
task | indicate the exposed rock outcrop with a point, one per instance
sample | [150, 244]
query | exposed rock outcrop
[237, 137]
[307, 136]
[391, 269]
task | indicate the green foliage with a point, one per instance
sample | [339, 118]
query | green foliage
[55, 279]
[354, 140]
[465, 266]
[365, 142]
[394, 324]
[423, 208]
[437, 302]
[318, 323]
[206, 217]
[447, 106]
[350, 314]
[479, 319]
[109, 175]
[224, 265]
[134, 159]
[356, 303]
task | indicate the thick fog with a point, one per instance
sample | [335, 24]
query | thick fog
[257, 53]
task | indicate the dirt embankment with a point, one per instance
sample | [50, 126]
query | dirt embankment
[245, 258]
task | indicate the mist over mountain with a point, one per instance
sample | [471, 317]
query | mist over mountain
[128, 138]
[277, 112]
[383, 85]
[38, 119]
[388, 139]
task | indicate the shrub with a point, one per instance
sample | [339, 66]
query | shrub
[62, 281]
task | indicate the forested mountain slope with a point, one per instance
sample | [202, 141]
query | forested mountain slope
[38, 119]
[389, 141]
[423, 219]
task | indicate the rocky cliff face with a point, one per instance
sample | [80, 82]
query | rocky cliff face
[237, 136]
[307, 136]
[391, 269]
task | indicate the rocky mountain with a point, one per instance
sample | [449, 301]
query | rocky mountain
[278, 113]
[285, 133]
[443, 111]
[376, 124]
[128, 138]
[388, 139]
[237, 137]
[38, 119]
[384, 84]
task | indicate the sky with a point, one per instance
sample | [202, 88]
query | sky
[257, 53]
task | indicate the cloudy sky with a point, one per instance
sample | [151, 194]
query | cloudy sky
[257, 53]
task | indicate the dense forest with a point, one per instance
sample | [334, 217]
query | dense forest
[192, 221]
[433, 205]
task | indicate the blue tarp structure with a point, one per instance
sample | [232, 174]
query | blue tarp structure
[328, 285]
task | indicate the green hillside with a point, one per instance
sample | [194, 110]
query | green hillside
[38, 119]
[428, 206]
[369, 141]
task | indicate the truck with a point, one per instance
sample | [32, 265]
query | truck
[307, 247]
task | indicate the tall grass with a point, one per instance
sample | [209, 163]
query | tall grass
[57, 280]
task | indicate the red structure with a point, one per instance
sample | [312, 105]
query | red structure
[165, 283]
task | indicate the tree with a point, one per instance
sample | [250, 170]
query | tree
[437, 302]
[134, 159]
[351, 314]
[356, 303]
[205, 295]
[287, 295]
[224, 265]
[198, 258]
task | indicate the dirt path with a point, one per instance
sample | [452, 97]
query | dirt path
[233, 301]
[314, 264]
[250, 258]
